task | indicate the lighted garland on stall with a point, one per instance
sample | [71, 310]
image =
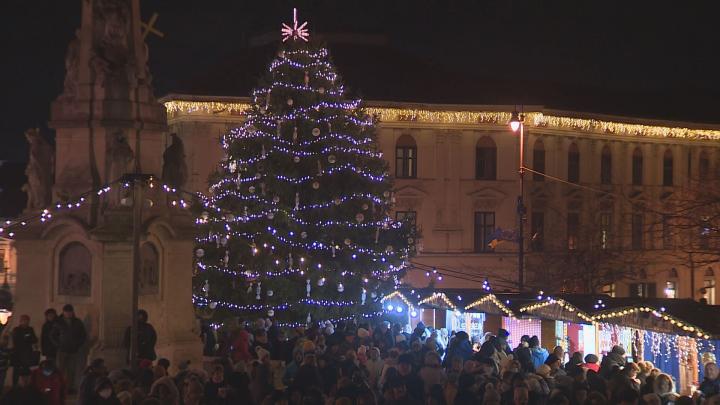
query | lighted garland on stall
[547, 301]
[661, 314]
[493, 299]
[440, 296]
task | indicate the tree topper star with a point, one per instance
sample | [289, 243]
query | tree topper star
[295, 31]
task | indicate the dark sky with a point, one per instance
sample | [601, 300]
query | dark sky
[654, 59]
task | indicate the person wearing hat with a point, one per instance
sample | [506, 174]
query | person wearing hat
[48, 380]
[555, 364]
[591, 361]
[69, 336]
[104, 393]
[91, 375]
[24, 341]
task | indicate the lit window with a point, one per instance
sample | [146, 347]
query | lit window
[670, 289]
[709, 288]
[608, 289]
[406, 157]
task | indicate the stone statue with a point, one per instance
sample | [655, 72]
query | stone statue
[39, 170]
[72, 59]
[174, 170]
[120, 157]
[111, 53]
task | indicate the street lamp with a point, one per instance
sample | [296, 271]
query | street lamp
[517, 123]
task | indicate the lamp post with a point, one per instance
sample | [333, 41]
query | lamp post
[517, 123]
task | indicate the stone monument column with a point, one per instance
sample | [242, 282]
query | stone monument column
[108, 123]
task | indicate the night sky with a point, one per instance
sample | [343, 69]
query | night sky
[638, 58]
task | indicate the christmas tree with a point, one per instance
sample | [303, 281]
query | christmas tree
[297, 226]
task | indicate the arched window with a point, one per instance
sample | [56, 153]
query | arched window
[75, 270]
[573, 165]
[406, 157]
[704, 166]
[637, 167]
[673, 273]
[709, 272]
[539, 160]
[150, 270]
[606, 166]
[485, 159]
[668, 168]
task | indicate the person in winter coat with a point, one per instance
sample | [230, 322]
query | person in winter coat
[146, 338]
[523, 356]
[48, 380]
[23, 339]
[48, 349]
[431, 373]
[92, 373]
[69, 336]
[104, 393]
[460, 346]
[711, 384]
[539, 354]
[166, 391]
[241, 346]
[24, 392]
[616, 358]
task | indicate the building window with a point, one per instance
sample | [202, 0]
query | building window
[704, 166]
[484, 229]
[573, 164]
[539, 160]
[666, 232]
[573, 223]
[608, 289]
[637, 167]
[705, 233]
[410, 216]
[668, 168]
[536, 228]
[709, 288]
[75, 270]
[485, 159]
[606, 166]
[670, 289]
[643, 290]
[605, 227]
[406, 157]
[637, 231]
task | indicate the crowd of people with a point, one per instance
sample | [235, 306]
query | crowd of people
[258, 363]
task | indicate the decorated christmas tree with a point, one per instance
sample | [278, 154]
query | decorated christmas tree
[297, 225]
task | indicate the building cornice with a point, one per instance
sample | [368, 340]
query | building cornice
[397, 113]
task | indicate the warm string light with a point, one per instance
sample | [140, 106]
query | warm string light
[492, 298]
[534, 119]
[562, 304]
[660, 314]
[440, 296]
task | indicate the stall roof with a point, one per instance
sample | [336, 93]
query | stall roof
[676, 316]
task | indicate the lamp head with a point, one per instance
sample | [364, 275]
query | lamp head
[515, 121]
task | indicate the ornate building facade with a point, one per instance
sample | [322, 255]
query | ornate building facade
[600, 193]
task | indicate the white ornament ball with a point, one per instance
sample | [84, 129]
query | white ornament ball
[251, 189]
[213, 305]
[205, 215]
[271, 312]
[230, 217]
[348, 241]
[360, 217]
[270, 293]
[290, 101]
[373, 294]
[365, 207]
[281, 54]
[332, 159]
[276, 199]
[303, 234]
[296, 159]
[321, 90]
[341, 287]
[316, 185]
[200, 252]
[321, 282]
[316, 131]
[389, 249]
[270, 215]
[337, 201]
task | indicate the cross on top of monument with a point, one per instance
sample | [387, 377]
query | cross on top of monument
[296, 31]
[149, 27]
